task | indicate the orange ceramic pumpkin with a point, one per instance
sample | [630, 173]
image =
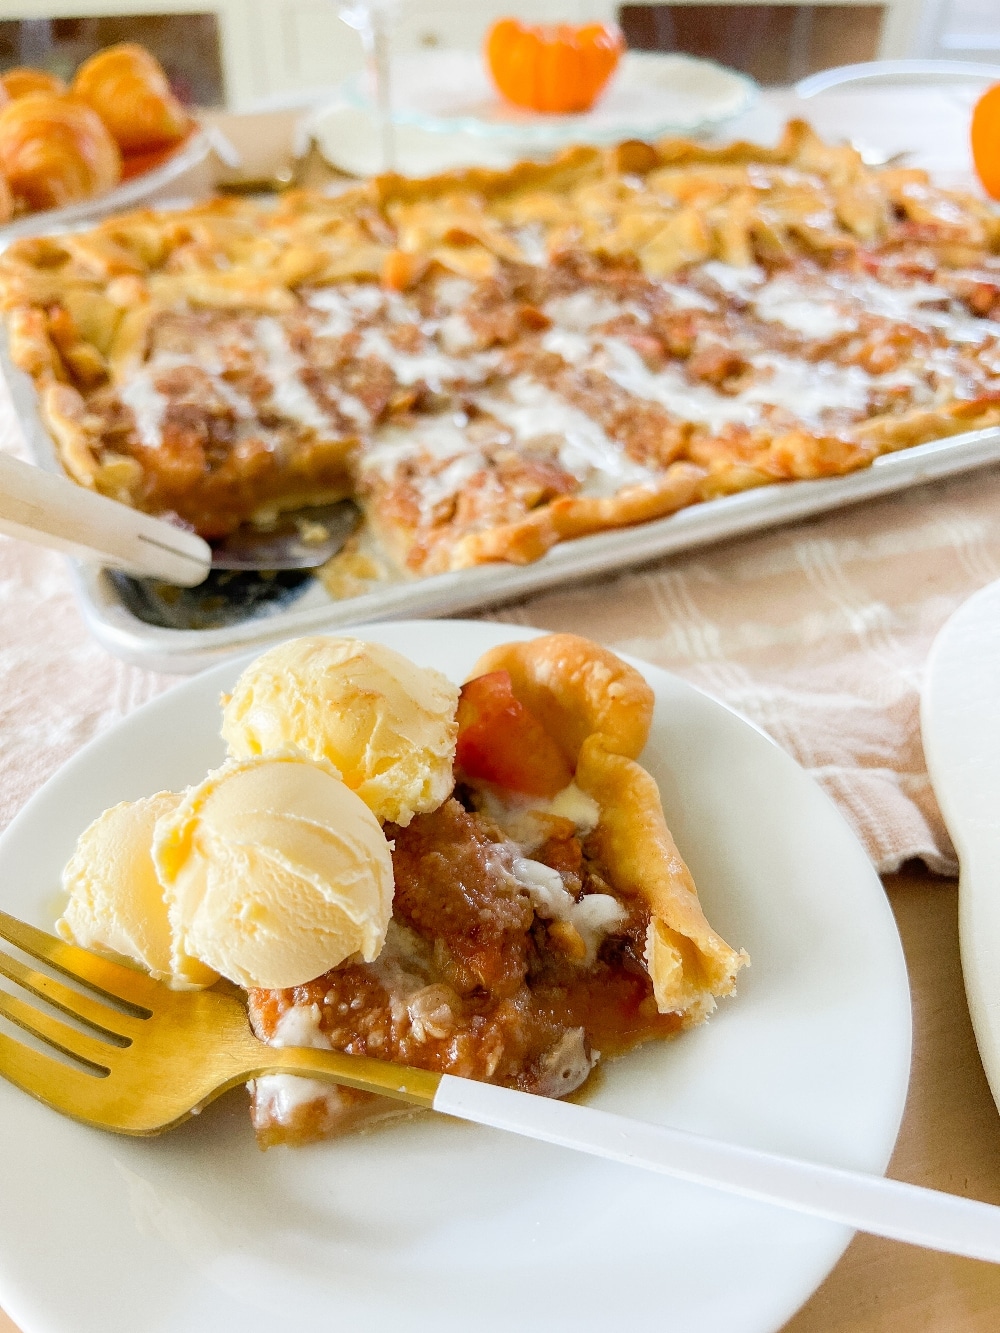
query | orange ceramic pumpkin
[555, 67]
[986, 140]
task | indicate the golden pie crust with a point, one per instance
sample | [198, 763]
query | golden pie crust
[495, 362]
[490, 982]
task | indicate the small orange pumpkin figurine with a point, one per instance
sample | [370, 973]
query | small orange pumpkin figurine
[552, 67]
[986, 140]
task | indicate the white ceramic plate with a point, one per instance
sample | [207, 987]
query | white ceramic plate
[960, 720]
[650, 94]
[440, 1227]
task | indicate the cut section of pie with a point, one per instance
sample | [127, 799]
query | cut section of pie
[543, 917]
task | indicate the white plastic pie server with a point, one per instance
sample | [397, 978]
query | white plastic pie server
[52, 511]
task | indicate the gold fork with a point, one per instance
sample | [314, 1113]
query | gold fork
[148, 1057]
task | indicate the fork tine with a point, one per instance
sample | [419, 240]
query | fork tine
[70, 1091]
[112, 1023]
[64, 1038]
[100, 974]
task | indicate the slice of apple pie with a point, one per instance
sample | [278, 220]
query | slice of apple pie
[542, 919]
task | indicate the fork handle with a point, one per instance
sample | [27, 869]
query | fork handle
[869, 1203]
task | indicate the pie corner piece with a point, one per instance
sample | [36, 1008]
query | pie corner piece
[587, 937]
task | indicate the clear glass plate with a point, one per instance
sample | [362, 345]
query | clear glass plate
[650, 95]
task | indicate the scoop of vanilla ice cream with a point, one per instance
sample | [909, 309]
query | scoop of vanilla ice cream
[115, 898]
[386, 725]
[274, 872]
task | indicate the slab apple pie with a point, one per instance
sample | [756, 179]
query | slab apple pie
[494, 362]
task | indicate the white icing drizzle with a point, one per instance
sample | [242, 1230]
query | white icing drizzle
[573, 804]
[456, 334]
[571, 346]
[593, 916]
[452, 292]
[517, 815]
[439, 437]
[367, 297]
[288, 393]
[350, 407]
[278, 1096]
[581, 310]
[685, 298]
[532, 410]
[341, 314]
[575, 315]
[299, 1026]
[690, 402]
[735, 281]
[241, 405]
[919, 303]
[816, 306]
[401, 968]
[809, 311]
[449, 460]
[448, 482]
[810, 302]
[806, 390]
[531, 241]
[432, 365]
[549, 896]
[345, 306]
[147, 405]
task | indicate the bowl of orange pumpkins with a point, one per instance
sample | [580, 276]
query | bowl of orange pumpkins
[540, 86]
[103, 142]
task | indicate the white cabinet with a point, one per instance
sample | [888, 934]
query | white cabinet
[294, 45]
[963, 29]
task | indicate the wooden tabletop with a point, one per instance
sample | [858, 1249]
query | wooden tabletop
[950, 1140]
